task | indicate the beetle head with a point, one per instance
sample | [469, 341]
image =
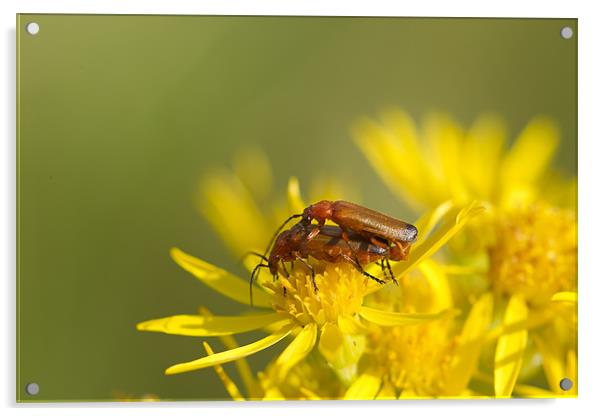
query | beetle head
[399, 251]
[285, 245]
[320, 211]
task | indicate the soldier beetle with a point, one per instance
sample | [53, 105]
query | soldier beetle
[353, 218]
[327, 244]
[364, 221]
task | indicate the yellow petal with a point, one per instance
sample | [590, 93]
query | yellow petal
[510, 349]
[409, 393]
[569, 297]
[557, 361]
[272, 393]
[528, 158]
[210, 326]
[427, 222]
[437, 239]
[230, 355]
[244, 370]
[532, 392]
[445, 138]
[297, 350]
[342, 351]
[226, 381]
[415, 161]
[437, 280]
[351, 326]
[310, 395]
[481, 155]
[395, 157]
[533, 320]
[553, 364]
[231, 209]
[365, 387]
[467, 354]
[384, 318]
[387, 392]
[220, 280]
[478, 319]
[571, 372]
[295, 202]
[455, 220]
[332, 189]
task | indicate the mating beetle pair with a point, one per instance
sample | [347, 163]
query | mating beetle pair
[362, 236]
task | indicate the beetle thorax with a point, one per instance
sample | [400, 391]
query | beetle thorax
[320, 211]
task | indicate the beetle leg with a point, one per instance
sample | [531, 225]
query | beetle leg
[345, 237]
[378, 242]
[404, 249]
[360, 269]
[386, 261]
[381, 263]
[313, 233]
[286, 273]
[311, 269]
[355, 261]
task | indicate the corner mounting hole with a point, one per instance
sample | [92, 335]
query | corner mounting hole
[566, 32]
[32, 28]
[32, 389]
[566, 384]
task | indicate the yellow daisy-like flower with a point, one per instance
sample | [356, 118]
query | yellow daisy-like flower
[435, 359]
[401, 358]
[535, 252]
[332, 318]
[526, 244]
[443, 162]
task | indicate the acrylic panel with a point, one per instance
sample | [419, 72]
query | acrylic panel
[426, 166]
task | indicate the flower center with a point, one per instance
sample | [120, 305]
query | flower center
[341, 290]
[413, 358]
[535, 252]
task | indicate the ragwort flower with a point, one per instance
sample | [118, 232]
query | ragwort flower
[525, 244]
[332, 319]
[401, 358]
[434, 359]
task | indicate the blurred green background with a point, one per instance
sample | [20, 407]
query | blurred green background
[119, 116]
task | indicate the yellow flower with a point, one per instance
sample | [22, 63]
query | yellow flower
[551, 330]
[333, 318]
[526, 243]
[442, 162]
[535, 252]
[417, 359]
[434, 359]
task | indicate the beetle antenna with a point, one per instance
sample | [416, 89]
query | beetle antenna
[265, 254]
[252, 253]
[254, 273]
